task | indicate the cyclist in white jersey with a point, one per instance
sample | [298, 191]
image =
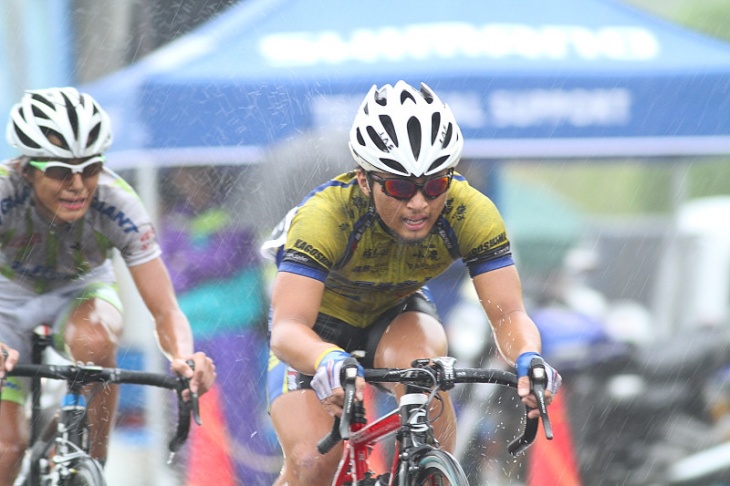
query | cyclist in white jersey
[62, 214]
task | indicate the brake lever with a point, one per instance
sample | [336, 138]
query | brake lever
[349, 375]
[538, 384]
[187, 409]
[194, 403]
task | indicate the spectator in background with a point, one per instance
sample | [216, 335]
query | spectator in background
[214, 266]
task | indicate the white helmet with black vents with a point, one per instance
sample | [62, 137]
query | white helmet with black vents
[405, 131]
[78, 125]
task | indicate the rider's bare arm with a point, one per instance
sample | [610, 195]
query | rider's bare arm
[171, 326]
[501, 296]
[295, 301]
[515, 333]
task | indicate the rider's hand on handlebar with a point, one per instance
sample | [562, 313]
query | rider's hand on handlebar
[524, 388]
[8, 358]
[327, 384]
[202, 378]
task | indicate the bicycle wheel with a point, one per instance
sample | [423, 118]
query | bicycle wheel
[86, 472]
[439, 468]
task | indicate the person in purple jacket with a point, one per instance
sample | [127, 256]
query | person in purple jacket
[213, 260]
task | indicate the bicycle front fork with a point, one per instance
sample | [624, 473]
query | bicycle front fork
[416, 433]
[72, 428]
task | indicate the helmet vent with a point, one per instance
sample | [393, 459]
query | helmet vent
[449, 134]
[414, 135]
[395, 166]
[437, 162]
[73, 117]
[435, 124]
[25, 139]
[389, 128]
[43, 100]
[405, 95]
[376, 139]
[49, 132]
[427, 95]
[93, 135]
[360, 140]
[37, 112]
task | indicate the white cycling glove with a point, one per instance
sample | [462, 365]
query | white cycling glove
[554, 380]
[329, 368]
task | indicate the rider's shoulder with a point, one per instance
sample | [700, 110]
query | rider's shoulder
[12, 182]
[10, 169]
[341, 193]
[340, 186]
[462, 192]
[113, 186]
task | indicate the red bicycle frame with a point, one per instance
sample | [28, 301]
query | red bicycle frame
[354, 464]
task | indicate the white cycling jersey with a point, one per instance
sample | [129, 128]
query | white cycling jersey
[41, 255]
[46, 268]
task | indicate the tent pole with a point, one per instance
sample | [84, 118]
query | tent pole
[157, 407]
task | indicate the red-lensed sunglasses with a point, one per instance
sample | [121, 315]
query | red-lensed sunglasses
[405, 189]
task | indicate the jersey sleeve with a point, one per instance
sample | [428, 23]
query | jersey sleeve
[142, 248]
[127, 224]
[314, 241]
[481, 233]
[11, 197]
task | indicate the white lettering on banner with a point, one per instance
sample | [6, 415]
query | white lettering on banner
[458, 39]
[578, 107]
[505, 108]
[467, 107]
[332, 111]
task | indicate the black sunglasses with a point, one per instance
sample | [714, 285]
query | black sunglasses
[405, 189]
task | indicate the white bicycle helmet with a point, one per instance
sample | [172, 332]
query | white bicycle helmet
[81, 126]
[405, 131]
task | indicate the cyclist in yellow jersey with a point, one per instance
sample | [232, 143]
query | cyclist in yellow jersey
[354, 259]
[63, 213]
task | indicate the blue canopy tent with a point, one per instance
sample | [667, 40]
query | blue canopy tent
[526, 78]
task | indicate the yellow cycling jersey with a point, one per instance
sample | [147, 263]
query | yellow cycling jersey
[335, 236]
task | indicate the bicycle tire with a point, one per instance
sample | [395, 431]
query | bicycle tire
[86, 472]
[439, 468]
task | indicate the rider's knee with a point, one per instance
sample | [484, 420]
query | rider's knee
[411, 335]
[309, 467]
[12, 450]
[403, 356]
[432, 348]
[93, 345]
[13, 440]
[92, 332]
